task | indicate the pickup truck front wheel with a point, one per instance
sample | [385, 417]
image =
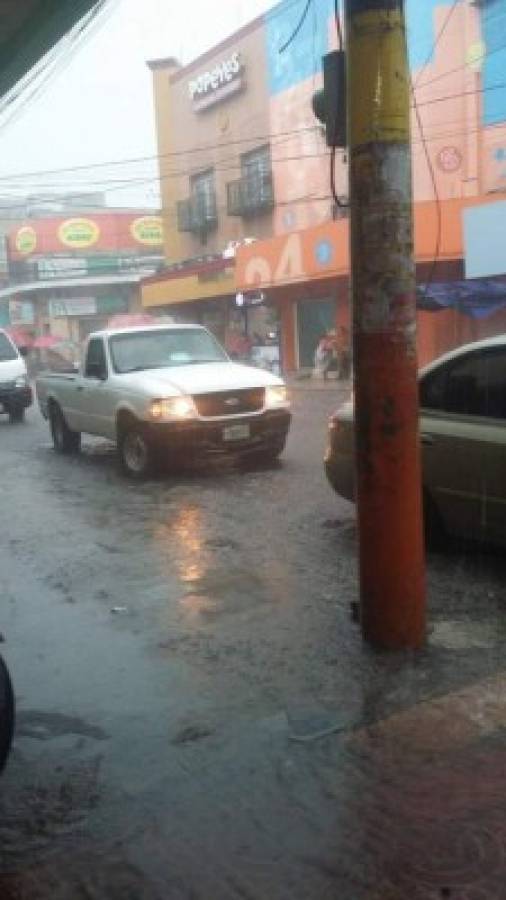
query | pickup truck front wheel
[64, 440]
[136, 452]
[16, 415]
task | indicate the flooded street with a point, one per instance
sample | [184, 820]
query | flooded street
[197, 715]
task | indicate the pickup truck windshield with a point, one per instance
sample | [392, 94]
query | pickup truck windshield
[142, 350]
[7, 351]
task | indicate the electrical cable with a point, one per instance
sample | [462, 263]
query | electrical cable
[169, 213]
[138, 183]
[141, 179]
[134, 181]
[470, 62]
[204, 148]
[460, 94]
[337, 13]
[439, 211]
[340, 204]
[52, 63]
[298, 29]
[119, 184]
[437, 41]
[223, 167]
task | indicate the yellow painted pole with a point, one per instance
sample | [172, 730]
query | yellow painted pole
[392, 565]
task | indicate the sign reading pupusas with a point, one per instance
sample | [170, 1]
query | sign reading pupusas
[217, 84]
[78, 234]
[148, 230]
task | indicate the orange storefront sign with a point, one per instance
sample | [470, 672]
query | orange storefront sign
[100, 232]
[320, 252]
[323, 252]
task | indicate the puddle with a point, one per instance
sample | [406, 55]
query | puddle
[44, 726]
[222, 591]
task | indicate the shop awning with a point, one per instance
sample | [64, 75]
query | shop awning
[29, 29]
[206, 283]
[478, 298]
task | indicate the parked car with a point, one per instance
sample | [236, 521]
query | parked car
[463, 437]
[15, 391]
[169, 391]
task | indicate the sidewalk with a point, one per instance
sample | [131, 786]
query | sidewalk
[307, 382]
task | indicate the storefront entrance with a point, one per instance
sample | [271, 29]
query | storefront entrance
[314, 318]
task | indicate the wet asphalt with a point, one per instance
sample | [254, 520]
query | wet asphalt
[197, 715]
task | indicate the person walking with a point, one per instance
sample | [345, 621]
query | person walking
[325, 356]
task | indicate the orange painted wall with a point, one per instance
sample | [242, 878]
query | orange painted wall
[293, 258]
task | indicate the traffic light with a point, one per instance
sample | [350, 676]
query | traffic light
[329, 104]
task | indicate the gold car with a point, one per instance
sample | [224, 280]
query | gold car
[463, 436]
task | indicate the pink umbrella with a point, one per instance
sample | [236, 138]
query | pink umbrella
[45, 342]
[126, 320]
[20, 337]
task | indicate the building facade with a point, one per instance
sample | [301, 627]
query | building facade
[69, 274]
[245, 173]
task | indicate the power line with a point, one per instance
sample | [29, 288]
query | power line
[337, 200]
[439, 227]
[57, 58]
[460, 94]
[337, 14]
[437, 41]
[453, 134]
[298, 28]
[465, 65]
[137, 182]
[223, 166]
[157, 157]
[167, 215]
[222, 145]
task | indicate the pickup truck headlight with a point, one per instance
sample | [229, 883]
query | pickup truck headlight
[276, 395]
[175, 408]
[21, 381]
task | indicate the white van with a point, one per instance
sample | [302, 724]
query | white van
[15, 390]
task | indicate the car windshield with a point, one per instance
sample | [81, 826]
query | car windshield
[138, 351]
[7, 351]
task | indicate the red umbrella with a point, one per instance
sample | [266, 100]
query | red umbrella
[20, 337]
[45, 342]
[126, 320]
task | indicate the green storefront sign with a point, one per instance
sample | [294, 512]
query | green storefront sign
[110, 306]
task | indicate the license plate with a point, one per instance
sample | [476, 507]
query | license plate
[236, 432]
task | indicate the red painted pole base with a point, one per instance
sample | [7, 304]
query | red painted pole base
[392, 555]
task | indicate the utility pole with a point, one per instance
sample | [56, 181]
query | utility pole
[389, 497]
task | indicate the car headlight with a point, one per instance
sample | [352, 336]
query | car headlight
[276, 395]
[21, 381]
[175, 408]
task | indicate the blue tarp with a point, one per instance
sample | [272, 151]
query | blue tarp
[478, 298]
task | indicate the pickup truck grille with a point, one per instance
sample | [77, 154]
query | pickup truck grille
[230, 403]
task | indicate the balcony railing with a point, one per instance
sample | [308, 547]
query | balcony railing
[250, 195]
[198, 214]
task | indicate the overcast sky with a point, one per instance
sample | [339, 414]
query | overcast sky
[98, 106]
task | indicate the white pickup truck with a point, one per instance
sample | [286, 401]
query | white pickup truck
[163, 391]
